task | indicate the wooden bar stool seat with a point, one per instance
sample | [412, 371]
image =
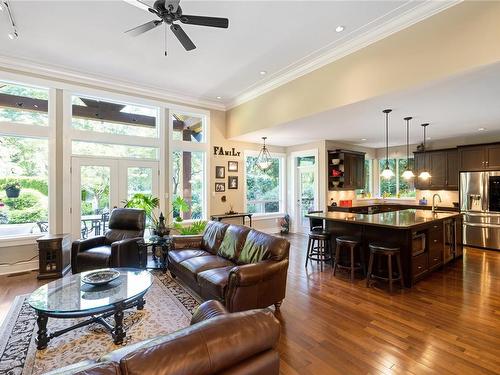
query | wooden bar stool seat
[319, 247]
[381, 249]
[350, 243]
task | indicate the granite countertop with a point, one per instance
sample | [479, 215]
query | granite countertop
[361, 204]
[403, 219]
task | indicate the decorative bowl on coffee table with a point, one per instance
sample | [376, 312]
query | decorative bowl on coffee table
[101, 277]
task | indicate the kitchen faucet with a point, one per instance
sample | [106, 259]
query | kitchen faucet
[434, 202]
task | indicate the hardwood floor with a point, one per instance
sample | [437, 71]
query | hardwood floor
[448, 323]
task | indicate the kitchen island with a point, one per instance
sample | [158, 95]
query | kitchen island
[427, 240]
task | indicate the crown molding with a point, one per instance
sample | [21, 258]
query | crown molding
[338, 51]
[66, 75]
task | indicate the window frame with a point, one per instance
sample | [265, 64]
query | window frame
[48, 133]
[180, 146]
[283, 181]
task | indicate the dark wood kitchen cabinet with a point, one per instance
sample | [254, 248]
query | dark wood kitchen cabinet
[346, 170]
[479, 157]
[443, 167]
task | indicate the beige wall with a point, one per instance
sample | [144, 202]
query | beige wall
[459, 39]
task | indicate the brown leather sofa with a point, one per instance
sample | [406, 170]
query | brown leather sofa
[216, 343]
[241, 267]
[117, 248]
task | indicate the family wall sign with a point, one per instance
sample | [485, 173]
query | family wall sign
[220, 151]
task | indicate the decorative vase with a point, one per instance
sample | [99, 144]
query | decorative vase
[12, 191]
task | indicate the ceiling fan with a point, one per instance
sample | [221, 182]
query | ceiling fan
[168, 12]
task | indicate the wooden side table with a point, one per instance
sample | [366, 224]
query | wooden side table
[54, 254]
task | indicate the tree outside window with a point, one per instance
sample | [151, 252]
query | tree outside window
[263, 188]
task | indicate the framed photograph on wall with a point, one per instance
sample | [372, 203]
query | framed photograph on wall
[220, 172]
[232, 182]
[220, 187]
[232, 166]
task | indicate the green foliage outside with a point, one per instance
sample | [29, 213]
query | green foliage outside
[31, 206]
[193, 193]
[262, 186]
[396, 186]
[196, 227]
[35, 183]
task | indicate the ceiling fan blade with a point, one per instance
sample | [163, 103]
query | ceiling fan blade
[143, 28]
[182, 36]
[141, 5]
[205, 21]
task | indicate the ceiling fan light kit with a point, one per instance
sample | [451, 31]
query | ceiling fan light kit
[169, 12]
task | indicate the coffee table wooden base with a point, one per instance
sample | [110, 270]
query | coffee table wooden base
[117, 331]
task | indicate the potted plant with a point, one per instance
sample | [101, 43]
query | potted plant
[12, 189]
[149, 204]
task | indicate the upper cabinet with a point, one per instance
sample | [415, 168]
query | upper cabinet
[479, 158]
[346, 170]
[442, 166]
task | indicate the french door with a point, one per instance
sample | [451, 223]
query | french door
[305, 196]
[101, 184]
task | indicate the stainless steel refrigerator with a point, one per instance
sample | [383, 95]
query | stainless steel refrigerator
[480, 205]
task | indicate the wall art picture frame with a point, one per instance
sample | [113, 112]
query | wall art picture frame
[232, 166]
[232, 182]
[220, 187]
[220, 171]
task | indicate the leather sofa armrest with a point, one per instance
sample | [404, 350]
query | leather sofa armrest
[125, 252]
[254, 273]
[88, 367]
[79, 246]
[208, 310]
[180, 242]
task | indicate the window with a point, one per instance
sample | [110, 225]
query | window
[396, 186]
[188, 182]
[23, 104]
[367, 191]
[264, 189]
[24, 186]
[189, 163]
[105, 116]
[112, 150]
[187, 128]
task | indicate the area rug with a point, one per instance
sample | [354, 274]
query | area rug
[169, 307]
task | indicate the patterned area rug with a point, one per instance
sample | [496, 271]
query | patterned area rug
[169, 307]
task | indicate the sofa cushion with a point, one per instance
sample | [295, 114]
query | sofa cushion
[178, 256]
[203, 263]
[262, 246]
[213, 282]
[233, 241]
[213, 236]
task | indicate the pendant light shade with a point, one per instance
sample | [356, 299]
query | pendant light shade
[387, 172]
[408, 173]
[264, 160]
[425, 175]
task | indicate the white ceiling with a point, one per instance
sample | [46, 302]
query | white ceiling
[275, 36]
[455, 108]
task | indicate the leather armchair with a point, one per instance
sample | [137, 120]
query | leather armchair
[117, 248]
[217, 342]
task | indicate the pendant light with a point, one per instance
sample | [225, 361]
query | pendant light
[408, 173]
[425, 175]
[264, 160]
[387, 173]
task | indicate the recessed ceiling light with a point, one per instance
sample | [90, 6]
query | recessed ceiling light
[481, 129]
[263, 72]
[429, 138]
[363, 139]
[339, 28]
[219, 97]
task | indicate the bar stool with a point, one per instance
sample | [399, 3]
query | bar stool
[378, 249]
[319, 245]
[351, 243]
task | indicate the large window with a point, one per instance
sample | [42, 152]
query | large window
[23, 104]
[106, 116]
[367, 190]
[264, 189]
[396, 186]
[189, 163]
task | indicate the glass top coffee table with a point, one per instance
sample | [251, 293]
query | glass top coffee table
[70, 297]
